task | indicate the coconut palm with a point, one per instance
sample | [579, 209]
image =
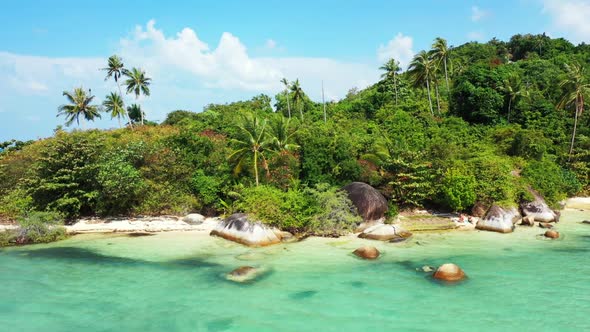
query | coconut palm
[113, 104]
[440, 53]
[421, 69]
[116, 69]
[576, 88]
[286, 84]
[281, 134]
[514, 89]
[251, 144]
[79, 105]
[135, 113]
[391, 68]
[137, 83]
[297, 96]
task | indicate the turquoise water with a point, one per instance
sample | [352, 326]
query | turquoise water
[175, 282]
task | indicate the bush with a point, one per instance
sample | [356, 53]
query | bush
[37, 227]
[457, 190]
[335, 216]
[120, 185]
[551, 181]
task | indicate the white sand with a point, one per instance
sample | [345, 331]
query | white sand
[149, 224]
[578, 203]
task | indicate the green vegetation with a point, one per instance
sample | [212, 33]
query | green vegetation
[37, 227]
[473, 123]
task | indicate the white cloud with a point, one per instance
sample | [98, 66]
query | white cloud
[570, 17]
[475, 36]
[477, 14]
[270, 44]
[398, 48]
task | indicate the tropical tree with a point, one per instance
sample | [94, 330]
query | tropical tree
[281, 134]
[136, 115]
[137, 83]
[421, 69]
[286, 84]
[251, 144]
[576, 88]
[440, 54]
[391, 69]
[80, 104]
[113, 104]
[297, 96]
[116, 69]
[514, 89]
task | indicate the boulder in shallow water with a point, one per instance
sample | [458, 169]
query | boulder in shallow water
[367, 252]
[499, 219]
[383, 232]
[551, 234]
[239, 228]
[538, 209]
[369, 202]
[193, 219]
[243, 274]
[545, 225]
[528, 221]
[587, 222]
[449, 272]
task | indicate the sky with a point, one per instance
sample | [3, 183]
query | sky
[203, 52]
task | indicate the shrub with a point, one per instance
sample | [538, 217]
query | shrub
[336, 215]
[550, 180]
[37, 227]
[120, 185]
[457, 190]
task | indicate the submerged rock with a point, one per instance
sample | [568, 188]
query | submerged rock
[545, 225]
[425, 269]
[384, 232]
[449, 272]
[367, 252]
[551, 234]
[243, 274]
[499, 220]
[370, 203]
[586, 222]
[538, 209]
[240, 229]
[193, 219]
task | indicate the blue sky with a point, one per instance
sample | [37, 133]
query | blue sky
[201, 52]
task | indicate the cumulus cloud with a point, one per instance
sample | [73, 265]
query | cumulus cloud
[570, 17]
[398, 48]
[478, 14]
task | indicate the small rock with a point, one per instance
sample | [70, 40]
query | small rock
[426, 269]
[528, 221]
[194, 219]
[545, 225]
[242, 274]
[587, 222]
[449, 272]
[367, 252]
[552, 234]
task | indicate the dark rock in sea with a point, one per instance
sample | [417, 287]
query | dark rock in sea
[587, 222]
[545, 225]
[551, 234]
[140, 234]
[499, 219]
[538, 209]
[370, 203]
[239, 228]
[243, 274]
[449, 272]
[367, 252]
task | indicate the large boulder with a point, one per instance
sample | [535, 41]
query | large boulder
[194, 219]
[383, 232]
[479, 209]
[367, 252]
[449, 272]
[499, 219]
[538, 209]
[370, 204]
[239, 228]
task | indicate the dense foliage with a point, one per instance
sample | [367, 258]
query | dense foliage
[478, 123]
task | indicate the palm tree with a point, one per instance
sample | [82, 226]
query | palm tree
[114, 104]
[251, 144]
[297, 96]
[391, 68]
[421, 69]
[281, 134]
[135, 113]
[116, 69]
[575, 87]
[138, 83]
[79, 105]
[440, 53]
[286, 83]
[513, 89]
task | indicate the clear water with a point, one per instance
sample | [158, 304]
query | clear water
[175, 282]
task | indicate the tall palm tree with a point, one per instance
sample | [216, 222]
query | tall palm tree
[297, 96]
[513, 88]
[576, 88]
[137, 83]
[281, 134]
[391, 68]
[421, 69]
[135, 113]
[286, 84]
[116, 69]
[79, 105]
[113, 104]
[251, 144]
[440, 52]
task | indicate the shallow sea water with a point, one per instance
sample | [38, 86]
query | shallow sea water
[175, 282]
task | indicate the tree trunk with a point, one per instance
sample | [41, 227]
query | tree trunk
[288, 103]
[509, 104]
[429, 98]
[324, 102]
[437, 98]
[446, 77]
[395, 88]
[575, 128]
[256, 166]
[126, 113]
[140, 109]
[300, 109]
[119, 118]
